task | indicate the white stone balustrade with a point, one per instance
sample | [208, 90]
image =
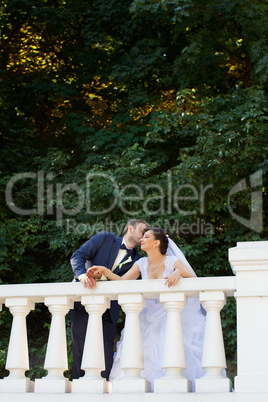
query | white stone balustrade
[173, 354]
[249, 262]
[132, 354]
[213, 359]
[93, 356]
[17, 357]
[56, 361]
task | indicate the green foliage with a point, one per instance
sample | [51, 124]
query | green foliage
[149, 109]
[5, 324]
[228, 318]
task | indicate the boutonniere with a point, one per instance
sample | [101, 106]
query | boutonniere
[124, 262]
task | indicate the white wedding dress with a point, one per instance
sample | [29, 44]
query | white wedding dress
[153, 322]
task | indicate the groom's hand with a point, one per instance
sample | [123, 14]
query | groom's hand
[88, 282]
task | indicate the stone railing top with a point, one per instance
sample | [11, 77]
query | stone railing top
[252, 244]
[111, 289]
[249, 256]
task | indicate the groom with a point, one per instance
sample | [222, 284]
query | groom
[108, 250]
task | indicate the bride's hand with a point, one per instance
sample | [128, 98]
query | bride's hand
[96, 271]
[173, 278]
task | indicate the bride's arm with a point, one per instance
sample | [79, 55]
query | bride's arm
[180, 270]
[183, 270]
[133, 273]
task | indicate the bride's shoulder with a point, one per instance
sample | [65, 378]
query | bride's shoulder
[142, 264]
[171, 258]
[142, 261]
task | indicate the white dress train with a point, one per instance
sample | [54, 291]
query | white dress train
[153, 323]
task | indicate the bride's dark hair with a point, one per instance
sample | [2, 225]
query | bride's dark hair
[162, 236]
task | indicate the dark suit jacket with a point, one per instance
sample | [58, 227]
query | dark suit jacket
[102, 249]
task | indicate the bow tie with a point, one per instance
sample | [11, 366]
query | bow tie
[130, 251]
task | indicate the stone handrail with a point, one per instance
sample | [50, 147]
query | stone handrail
[249, 286]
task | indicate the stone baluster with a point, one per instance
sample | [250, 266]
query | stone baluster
[17, 357]
[173, 353]
[213, 358]
[56, 355]
[93, 361]
[249, 261]
[132, 354]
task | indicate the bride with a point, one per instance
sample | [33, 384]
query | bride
[165, 260]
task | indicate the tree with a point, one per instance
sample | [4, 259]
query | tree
[163, 121]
